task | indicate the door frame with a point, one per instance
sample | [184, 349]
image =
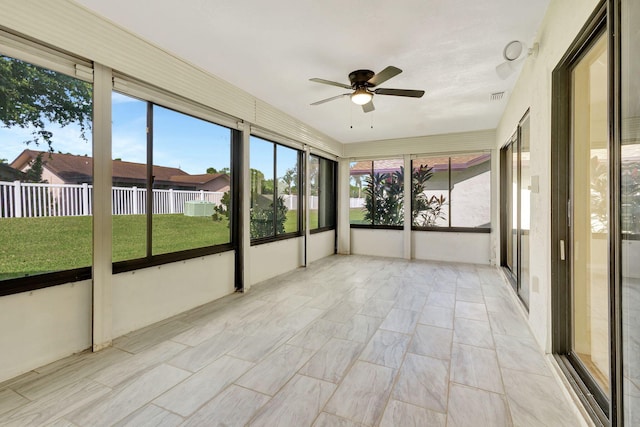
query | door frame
[603, 409]
[507, 204]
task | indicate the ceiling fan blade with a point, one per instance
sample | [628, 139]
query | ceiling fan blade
[322, 101]
[384, 75]
[400, 92]
[329, 82]
[368, 107]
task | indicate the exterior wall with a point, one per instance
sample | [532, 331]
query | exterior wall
[563, 21]
[216, 185]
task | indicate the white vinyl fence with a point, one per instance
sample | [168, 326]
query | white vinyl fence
[27, 200]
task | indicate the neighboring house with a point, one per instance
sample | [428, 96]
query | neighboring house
[463, 167]
[209, 181]
[61, 168]
[7, 173]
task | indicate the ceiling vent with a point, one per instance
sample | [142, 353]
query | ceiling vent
[497, 96]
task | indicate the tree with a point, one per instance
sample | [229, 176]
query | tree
[289, 179]
[34, 173]
[261, 221]
[213, 170]
[4, 161]
[357, 179]
[384, 199]
[32, 97]
[425, 210]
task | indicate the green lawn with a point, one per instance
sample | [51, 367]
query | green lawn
[356, 216]
[39, 245]
[31, 246]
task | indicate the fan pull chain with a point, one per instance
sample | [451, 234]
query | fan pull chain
[351, 115]
[372, 119]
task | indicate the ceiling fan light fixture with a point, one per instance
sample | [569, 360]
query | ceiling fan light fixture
[361, 96]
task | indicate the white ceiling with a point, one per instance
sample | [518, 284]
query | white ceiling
[271, 49]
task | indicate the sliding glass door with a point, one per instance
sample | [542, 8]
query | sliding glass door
[589, 214]
[630, 209]
[515, 191]
[583, 243]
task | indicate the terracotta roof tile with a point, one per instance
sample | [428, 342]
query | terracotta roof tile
[68, 166]
[438, 163]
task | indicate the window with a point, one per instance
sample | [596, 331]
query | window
[452, 192]
[322, 204]
[191, 175]
[129, 182]
[45, 186]
[377, 193]
[275, 184]
[189, 183]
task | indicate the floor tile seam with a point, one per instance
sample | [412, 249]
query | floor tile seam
[166, 409]
[505, 399]
[21, 405]
[257, 412]
[435, 326]
[397, 377]
[415, 405]
[50, 394]
[495, 351]
[346, 374]
[19, 394]
[522, 371]
[346, 371]
[169, 362]
[153, 402]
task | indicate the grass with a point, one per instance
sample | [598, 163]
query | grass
[39, 245]
[356, 216]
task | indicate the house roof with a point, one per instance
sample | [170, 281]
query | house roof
[69, 166]
[7, 173]
[199, 179]
[438, 163]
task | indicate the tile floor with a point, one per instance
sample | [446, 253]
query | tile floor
[349, 341]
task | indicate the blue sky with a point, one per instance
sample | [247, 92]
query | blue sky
[180, 141]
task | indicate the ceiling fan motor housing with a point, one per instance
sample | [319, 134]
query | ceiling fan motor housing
[360, 78]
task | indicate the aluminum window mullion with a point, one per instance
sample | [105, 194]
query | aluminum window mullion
[149, 201]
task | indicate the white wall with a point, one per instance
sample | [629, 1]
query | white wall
[271, 259]
[42, 326]
[146, 296]
[473, 248]
[320, 245]
[384, 243]
[563, 21]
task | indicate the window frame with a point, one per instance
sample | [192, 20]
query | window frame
[21, 49]
[301, 192]
[449, 228]
[334, 189]
[151, 260]
[379, 226]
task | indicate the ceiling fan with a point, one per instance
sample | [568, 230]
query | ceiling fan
[362, 82]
